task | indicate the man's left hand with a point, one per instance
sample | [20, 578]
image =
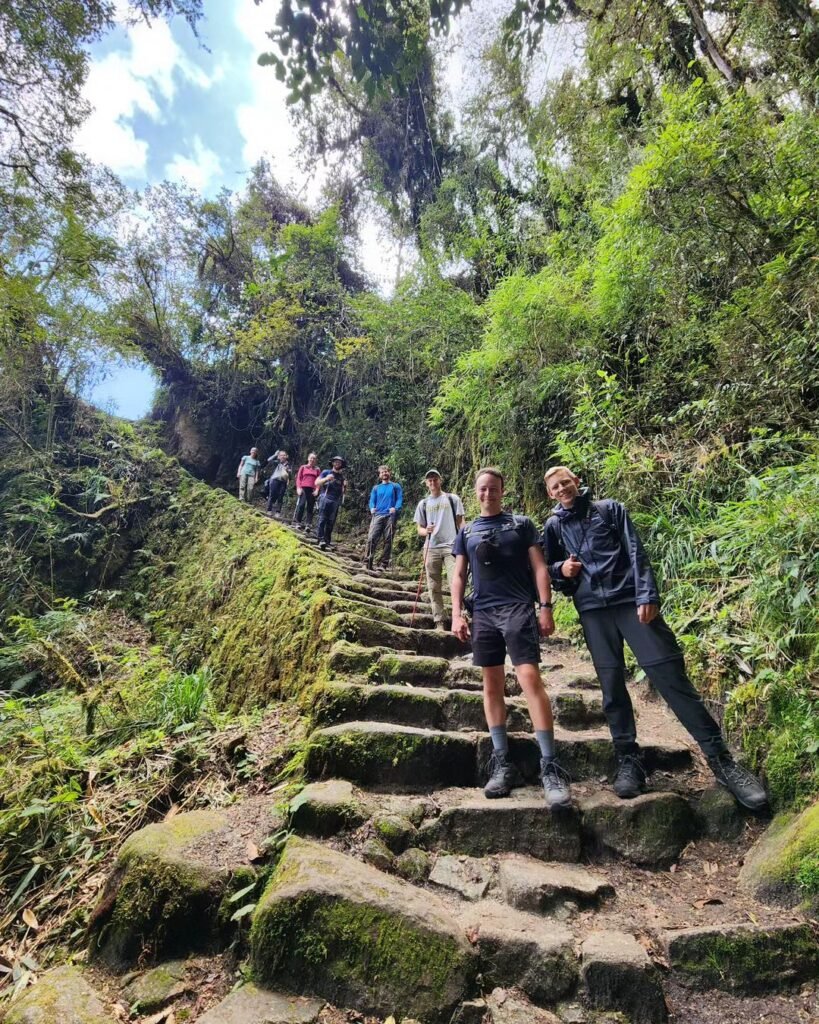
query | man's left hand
[546, 622]
[647, 613]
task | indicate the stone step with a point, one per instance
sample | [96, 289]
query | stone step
[578, 710]
[651, 830]
[385, 752]
[555, 676]
[332, 926]
[618, 975]
[380, 582]
[402, 607]
[371, 633]
[62, 995]
[251, 1004]
[381, 754]
[744, 957]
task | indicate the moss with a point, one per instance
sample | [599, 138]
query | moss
[747, 959]
[396, 832]
[346, 948]
[784, 864]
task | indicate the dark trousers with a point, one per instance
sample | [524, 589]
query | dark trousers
[306, 503]
[328, 510]
[275, 494]
[381, 528]
[657, 652]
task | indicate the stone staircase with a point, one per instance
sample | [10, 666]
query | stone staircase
[401, 891]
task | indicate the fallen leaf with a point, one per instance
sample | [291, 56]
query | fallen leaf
[92, 774]
[753, 917]
[173, 810]
[712, 901]
[252, 851]
[121, 1012]
[673, 868]
[30, 919]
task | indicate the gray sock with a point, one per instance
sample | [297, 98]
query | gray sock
[500, 740]
[546, 741]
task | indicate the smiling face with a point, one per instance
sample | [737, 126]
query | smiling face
[489, 492]
[384, 474]
[282, 456]
[336, 465]
[563, 486]
[433, 485]
[312, 459]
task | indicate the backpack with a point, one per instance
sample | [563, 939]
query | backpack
[452, 505]
[569, 586]
[518, 523]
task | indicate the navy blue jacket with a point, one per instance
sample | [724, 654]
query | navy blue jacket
[616, 569]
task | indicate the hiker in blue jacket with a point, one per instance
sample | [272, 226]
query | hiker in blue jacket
[386, 499]
[596, 557]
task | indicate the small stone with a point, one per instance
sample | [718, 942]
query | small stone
[61, 996]
[470, 876]
[325, 808]
[618, 975]
[396, 832]
[720, 816]
[470, 1012]
[153, 991]
[252, 1005]
[572, 1013]
[413, 864]
[376, 853]
[529, 884]
[511, 1008]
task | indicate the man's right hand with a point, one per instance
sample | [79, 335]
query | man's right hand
[460, 627]
[430, 530]
[571, 567]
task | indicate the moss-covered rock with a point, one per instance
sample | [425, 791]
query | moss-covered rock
[744, 957]
[330, 925]
[413, 864]
[156, 988]
[376, 753]
[346, 658]
[577, 711]
[410, 668]
[167, 885]
[651, 830]
[783, 866]
[719, 816]
[395, 831]
[376, 852]
[371, 633]
[336, 702]
[61, 996]
[325, 808]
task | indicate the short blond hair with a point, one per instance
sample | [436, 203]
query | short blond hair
[550, 472]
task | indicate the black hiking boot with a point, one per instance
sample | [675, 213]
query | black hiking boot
[745, 787]
[503, 777]
[370, 564]
[630, 777]
[556, 781]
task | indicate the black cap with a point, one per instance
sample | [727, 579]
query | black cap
[338, 458]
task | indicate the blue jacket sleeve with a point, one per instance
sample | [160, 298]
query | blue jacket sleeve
[373, 497]
[399, 497]
[553, 550]
[645, 585]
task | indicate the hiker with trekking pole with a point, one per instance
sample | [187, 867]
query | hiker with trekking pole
[438, 518]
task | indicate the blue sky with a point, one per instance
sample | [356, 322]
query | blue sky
[168, 105]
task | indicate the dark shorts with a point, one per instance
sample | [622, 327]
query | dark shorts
[513, 628]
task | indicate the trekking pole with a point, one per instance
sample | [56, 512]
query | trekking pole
[420, 581]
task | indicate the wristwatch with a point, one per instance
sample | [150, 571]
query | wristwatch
[545, 604]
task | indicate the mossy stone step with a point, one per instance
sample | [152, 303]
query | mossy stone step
[578, 710]
[371, 633]
[783, 865]
[381, 754]
[380, 581]
[325, 808]
[653, 833]
[170, 883]
[61, 996]
[446, 710]
[744, 957]
[409, 668]
[522, 951]
[329, 925]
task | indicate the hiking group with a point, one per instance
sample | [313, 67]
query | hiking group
[587, 550]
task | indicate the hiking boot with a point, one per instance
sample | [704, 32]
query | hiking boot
[556, 781]
[322, 545]
[745, 787]
[630, 777]
[503, 776]
[370, 564]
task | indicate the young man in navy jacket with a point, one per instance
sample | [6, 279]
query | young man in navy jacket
[595, 555]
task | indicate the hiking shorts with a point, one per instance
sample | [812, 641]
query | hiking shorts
[512, 628]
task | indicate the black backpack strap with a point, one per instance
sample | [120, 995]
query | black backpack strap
[453, 506]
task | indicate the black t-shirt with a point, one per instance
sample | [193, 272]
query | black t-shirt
[498, 552]
[334, 491]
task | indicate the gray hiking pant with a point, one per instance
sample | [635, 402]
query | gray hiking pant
[439, 559]
[381, 527]
[657, 652]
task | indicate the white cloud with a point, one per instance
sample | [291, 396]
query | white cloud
[199, 171]
[124, 83]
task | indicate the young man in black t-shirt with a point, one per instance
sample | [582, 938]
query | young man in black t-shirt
[508, 575]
